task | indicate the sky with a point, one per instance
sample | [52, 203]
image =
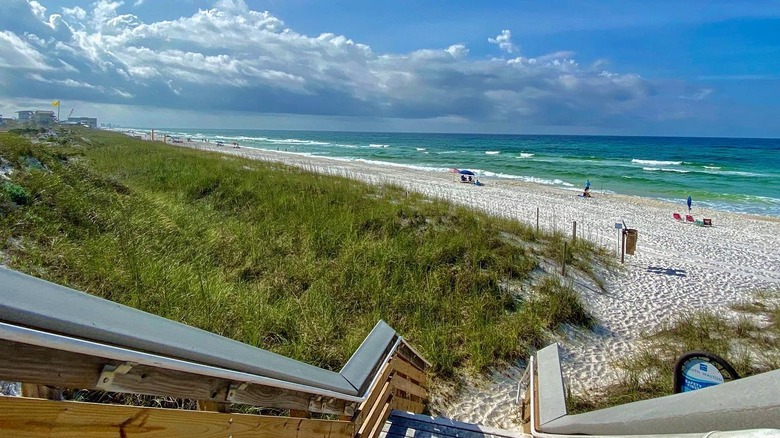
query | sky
[609, 67]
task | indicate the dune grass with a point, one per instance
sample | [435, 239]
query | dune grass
[749, 341]
[295, 262]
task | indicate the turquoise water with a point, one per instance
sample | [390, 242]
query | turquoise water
[739, 175]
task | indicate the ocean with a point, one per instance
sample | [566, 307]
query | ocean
[729, 174]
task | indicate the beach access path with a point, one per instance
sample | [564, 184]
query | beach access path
[678, 268]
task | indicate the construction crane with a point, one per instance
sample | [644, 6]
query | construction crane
[71, 112]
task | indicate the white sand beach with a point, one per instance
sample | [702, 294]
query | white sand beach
[678, 268]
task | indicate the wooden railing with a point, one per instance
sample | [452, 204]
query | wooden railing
[384, 374]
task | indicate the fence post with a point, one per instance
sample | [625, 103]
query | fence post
[574, 231]
[563, 261]
[537, 220]
[623, 246]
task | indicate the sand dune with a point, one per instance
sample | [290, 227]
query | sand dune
[678, 267]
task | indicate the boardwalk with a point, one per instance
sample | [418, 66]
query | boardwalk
[405, 425]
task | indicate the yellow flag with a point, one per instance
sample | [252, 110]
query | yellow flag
[55, 103]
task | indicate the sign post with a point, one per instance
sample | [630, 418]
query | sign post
[618, 227]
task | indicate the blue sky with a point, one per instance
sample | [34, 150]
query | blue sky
[709, 68]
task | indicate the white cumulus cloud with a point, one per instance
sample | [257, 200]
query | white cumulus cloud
[504, 41]
[231, 57]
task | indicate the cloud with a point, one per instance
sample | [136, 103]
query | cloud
[232, 58]
[138, 3]
[75, 12]
[697, 95]
[504, 41]
[18, 54]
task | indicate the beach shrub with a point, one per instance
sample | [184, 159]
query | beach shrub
[750, 342]
[16, 193]
[555, 303]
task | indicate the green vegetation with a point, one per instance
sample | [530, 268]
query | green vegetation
[298, 263]
[750, 342]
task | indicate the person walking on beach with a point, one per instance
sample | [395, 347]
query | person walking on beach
[587, 184]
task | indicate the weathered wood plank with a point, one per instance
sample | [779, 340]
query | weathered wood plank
[266, 396]
[296, 413]
[403, 404]
[375, 411]
[411, 357]
[525, 410]
[408, 387]
[377, 429]
[366, 406]
[410, 371]
[40, 391]
[62, 369]
[34, 418]
[30, 364]
[211, 406]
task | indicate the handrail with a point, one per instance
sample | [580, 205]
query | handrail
[660, 417]
[58, 342]
[364, 362]
[43, 314]
[42, 305]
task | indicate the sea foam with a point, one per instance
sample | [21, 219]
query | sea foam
[656, 163]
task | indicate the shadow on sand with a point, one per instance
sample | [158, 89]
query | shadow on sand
[667, 271]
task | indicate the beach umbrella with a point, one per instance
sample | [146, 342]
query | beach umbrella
[689, 203]
[466, 172]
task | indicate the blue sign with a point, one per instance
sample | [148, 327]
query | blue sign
[698, 369]
[697, 375]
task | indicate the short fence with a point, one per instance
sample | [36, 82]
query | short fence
[541, 218]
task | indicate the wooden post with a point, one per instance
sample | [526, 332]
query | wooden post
[623, 247]
[299, 413]
[40, 391]
[212, 406]
[537, 220]
[574, 231]
[563, 261]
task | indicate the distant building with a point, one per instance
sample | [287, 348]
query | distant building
[86, 121]
[36, 118]
[24, 116]
[44, 118]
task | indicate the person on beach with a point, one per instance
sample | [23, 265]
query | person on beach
[586, 192]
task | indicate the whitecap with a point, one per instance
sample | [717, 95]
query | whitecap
[525, 155]
[656, 163]
[492, 152]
